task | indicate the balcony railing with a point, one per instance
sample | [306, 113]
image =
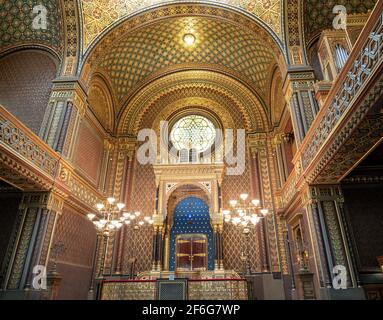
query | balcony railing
[185, 156]
[20, 147]
[17, 138]
[361, 66]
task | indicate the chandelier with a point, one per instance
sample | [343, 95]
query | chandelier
[245, 213]
[111, 216]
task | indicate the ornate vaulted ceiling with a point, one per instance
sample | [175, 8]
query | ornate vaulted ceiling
[16, 18]
[193, 88]
[100, 14]
[158, 47]
[318, 13]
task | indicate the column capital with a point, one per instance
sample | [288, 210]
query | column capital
[257, 142]
[55, 203]
[216, 219]
[127, 146]
[277, 139]
[297, 80]
[109, 143]
[71, 91]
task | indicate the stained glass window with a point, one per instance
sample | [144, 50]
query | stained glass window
[193, 132]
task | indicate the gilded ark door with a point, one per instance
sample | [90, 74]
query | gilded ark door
[191, 219]
[191, 252]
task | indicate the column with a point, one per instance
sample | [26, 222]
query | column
[216, 247]
[279, 162]
[36, 222]
[299, 91]
[117, 176]
[330, 242]
[62, 117]
[257, 194]
[157, 248]
[98, 263]
[220, 247]
[121, 191]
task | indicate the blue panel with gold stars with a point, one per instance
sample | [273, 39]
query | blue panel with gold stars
[191, 216]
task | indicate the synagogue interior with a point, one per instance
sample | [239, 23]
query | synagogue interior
[192, 150]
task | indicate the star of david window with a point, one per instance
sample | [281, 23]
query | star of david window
[193, 132]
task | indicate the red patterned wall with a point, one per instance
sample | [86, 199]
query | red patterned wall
[78, 236]
[89, 151]
[138, 244]
[25, 84]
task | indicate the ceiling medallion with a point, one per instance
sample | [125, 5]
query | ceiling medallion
[189, 39]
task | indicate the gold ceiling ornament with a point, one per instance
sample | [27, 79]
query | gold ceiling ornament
[153, 48]
[213, 69]
[100, 15]
[213, 84]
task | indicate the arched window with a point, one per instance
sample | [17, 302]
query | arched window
[193, 132]
[341, 56]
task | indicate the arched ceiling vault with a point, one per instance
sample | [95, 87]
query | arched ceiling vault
[233, 57]
[231, 95]
[155, 49]
[100, 15]
[16, 30]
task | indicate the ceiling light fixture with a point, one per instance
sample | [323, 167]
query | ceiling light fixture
[189, 39]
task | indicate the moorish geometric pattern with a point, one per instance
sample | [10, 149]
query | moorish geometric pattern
[100, 14]
[16, 18]
[318, 14]
[137, 245]
[158, 46]
[25, 85]
[78, 236]
[236, 243]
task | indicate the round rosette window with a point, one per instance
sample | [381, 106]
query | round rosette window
[193, 132]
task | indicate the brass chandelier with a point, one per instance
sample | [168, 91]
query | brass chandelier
[112, 216]
[245, 213]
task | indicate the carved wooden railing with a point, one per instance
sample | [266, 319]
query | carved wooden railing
[361, 66]
[17, 138]
[19, 145]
